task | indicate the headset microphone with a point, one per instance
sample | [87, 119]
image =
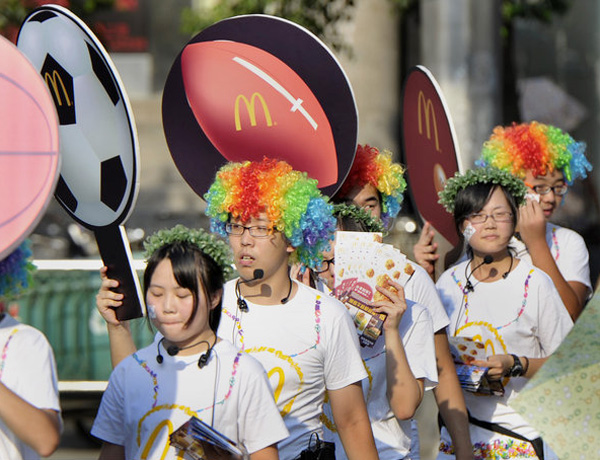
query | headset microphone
[488, 259]
[242, 305]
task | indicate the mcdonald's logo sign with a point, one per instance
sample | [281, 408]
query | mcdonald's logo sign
[251, 110]
[57, 86]
[425, 109]
[60, 85]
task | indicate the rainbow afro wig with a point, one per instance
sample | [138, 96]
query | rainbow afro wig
[535, 147]
[373, 167]
[16, 272]
[291, 201]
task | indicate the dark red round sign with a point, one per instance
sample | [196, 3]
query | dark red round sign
[430, 148]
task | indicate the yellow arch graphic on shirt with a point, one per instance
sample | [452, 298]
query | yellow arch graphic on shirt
[153, 436]
[277, 392]
[279, 354]
[185, 409]
[494, 331]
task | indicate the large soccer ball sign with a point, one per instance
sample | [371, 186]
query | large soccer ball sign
[99, 177]
[29, 149]
[255, 86]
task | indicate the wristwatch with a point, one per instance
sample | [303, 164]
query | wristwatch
[517, 368]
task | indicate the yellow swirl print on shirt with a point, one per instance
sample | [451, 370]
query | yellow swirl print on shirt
[163, 424]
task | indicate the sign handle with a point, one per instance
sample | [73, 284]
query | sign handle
[116, 255]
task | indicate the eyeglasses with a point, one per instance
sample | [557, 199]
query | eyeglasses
[559, 190]
[501, 216]
[258, 231]
[325, 265]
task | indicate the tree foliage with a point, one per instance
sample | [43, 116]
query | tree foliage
[321, 17]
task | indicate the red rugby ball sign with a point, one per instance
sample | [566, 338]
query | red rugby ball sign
[250, 104]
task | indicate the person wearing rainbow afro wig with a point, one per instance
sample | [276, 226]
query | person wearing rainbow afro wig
[305, 340]
[548, 160]
[374, 183]
[30, 421]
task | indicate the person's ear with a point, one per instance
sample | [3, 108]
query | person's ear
[216, 299]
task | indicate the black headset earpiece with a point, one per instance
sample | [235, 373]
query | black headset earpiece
[204, 358]
[159, 357]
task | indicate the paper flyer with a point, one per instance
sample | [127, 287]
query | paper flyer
[363, 262]
[202, 442]
[472, 378]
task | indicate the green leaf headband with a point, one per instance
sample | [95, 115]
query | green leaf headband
[217, 249]
[371, 223]
[487, 175]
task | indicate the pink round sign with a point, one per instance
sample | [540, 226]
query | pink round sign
[29, 152]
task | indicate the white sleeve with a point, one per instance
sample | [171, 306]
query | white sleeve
[419, 346]
[572, 256]
[343, 365]
[38, 383]
[554, 322]
[421, 289]
[110, 419]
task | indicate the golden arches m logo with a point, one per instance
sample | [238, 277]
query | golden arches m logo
[251, 109]
[426, 110]
[56, 84]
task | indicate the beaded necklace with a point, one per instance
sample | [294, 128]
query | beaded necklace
[5, 350]
[465, 293]
[555, 243]
[155, 385]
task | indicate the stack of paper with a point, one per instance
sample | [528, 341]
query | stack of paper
[202, 442]
[363, 262]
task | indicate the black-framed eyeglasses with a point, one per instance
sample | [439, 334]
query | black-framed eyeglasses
[543, 189]
[500, 216]
[325, 265]
[257, 231]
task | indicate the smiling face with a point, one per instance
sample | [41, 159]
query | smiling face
[271, 253]
[170, 307]
[491, 237]
[549, 201]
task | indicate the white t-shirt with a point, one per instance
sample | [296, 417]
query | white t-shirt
[522, 314]
[146, 401]
[306, 345]
[392, 436]
[569, 251]
[27, 368]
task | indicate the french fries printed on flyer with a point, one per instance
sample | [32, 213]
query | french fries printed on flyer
[363, 262]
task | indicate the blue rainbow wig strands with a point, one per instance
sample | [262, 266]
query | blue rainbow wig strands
[16, 272]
